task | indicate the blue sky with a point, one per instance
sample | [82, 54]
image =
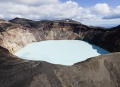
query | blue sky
[95, 12]
[88, 3]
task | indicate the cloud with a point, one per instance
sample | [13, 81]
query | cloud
[68, 9]
[117, 10]
[1, 16]
[115, 13]
[101, 8]
[55, 9]
[106, 11]
[113, 16]
[31, 2]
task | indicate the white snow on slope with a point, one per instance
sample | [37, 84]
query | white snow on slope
[65, 52]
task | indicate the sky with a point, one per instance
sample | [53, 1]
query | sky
[94, 12]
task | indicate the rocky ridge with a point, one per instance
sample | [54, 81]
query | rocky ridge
[18, 32]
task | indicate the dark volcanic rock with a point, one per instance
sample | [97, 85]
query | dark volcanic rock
[107, 38]
[30, 23]
[101, 71]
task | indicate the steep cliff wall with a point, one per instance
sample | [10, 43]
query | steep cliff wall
[15, 38]
[17, 33]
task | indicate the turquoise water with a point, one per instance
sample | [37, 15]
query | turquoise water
[65, 52]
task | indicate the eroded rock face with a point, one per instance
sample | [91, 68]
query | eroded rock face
[101, 71]
[15, 38]
[19, 32]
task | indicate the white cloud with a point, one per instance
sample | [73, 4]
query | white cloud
[32, 2]
[112, 16]
[117, 10]
[55, 9]
[59, 10]
[1, 16]
[115, 13]
[105, 11]
[101, 8]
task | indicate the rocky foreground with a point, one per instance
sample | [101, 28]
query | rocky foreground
[101, 71]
